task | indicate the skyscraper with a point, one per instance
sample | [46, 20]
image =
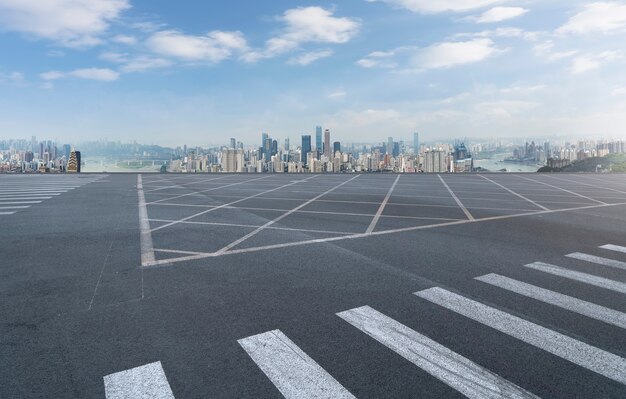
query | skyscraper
[389, 149]
[287, 144]
[336, 147]
[327, 147]
[318, 138]
[306, 147]
[73, 163]
[416, 143]
[233, 143]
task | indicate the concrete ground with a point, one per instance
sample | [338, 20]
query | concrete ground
[264, 286]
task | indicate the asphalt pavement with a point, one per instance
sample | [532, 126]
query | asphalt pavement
[300, 286]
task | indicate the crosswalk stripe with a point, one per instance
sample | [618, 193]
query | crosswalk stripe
[577, 352]
[15, 207]
[615, 248]
[144, 382]
[578, 276]
[34, 197]
[451, 368]
[584, 308]
[598, 260]
[291, 370]
[7, 213]
[19, 202]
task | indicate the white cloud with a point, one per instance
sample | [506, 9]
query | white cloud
[306, 25]
[51, 75]
[498, 14]
[216, 46]
[449, 54]
[309, 58]
[71, 23]
[114, 57]
[602, 17]
[437, 6]
[337, 94]
[503, 32]
[589, 62]
[619, 91]
[102, 74]
[125, 39]
[141, 64]
[13, 77]
[546, 50]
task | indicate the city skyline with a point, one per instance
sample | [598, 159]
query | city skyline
[365, 69]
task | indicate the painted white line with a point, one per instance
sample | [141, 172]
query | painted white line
[576, 305]
[15, 207]
[225, 205]
[209, 189]
[562, 189]
[615, 248]
[381, 209]
[59, 190]
[598, 260]
[253, 226]
[458, 201]
[281, 217]
[34, 197]
[514, 193]
[578, 276]
[145, 235]
[585, 184]
[185, 184]
[144, 382]
[7, 213]
[383, 232]
[453, 369]
[19, 202]
[292, 371]
[175, 251]
[577, 352]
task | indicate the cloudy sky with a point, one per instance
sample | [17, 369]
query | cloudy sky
[198, 72]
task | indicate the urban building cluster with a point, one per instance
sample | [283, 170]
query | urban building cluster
[320, 154]
[24, 156]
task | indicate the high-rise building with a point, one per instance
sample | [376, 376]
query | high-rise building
[73, 164]
[336, 147]
[318, 138]
[274, 147]
[416, 143]
[233, 143]
[287, 144]
[389, 148]
[267, 148]
[327, 147]
[306, 147]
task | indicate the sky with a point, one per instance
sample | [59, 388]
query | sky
[200, 72]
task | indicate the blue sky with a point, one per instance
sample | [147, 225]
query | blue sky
[197, 72]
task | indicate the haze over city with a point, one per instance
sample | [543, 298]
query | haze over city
[197, 73]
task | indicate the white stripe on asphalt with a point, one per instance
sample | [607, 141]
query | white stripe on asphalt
[381, 208]
[615, 248]
[577, 352]
[453, 369]
[7, 213]
[19, 202]
[145, 236]
[15, 207]
[291, 370]
[517, 194]
[23, 198]
[576, 305]
[598, 260]
[457, 200]
[578, 276]
[144, 382]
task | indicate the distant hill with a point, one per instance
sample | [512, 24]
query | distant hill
[613, 163]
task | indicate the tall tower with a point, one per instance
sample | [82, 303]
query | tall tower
[416, 143]
[318, 138]
[327, 148]
[306, 147]
[73, 164]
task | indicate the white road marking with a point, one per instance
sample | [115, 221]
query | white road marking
[15, 198]
[453, 369]
[254, 226]
[615, 248]
[585, 184]
[281, 217]
[374, 222]
[145, 236]
[185, 184]
[7, 213]
[209, 189]
[225, 205]
[458, 201]
[382, 232]
[562, 189]
[576, 305]
[19, 202]
[144, 382]
[15, 207]
[579, 276]
[577, 352]
[514, 193]
[598, 260]
[292, 371]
